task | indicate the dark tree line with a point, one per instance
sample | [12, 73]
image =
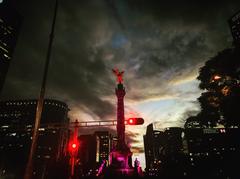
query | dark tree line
[220, 101]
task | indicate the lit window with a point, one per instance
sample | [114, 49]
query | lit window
[5, 126]
[5, 55]
[41, 129]
[222, 130]
[13, 134]
[4, 49]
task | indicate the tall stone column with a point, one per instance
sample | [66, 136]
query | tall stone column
[120, 93]
[120, 157]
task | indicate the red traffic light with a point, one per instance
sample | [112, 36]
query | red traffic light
[135, 121]
[73, 147]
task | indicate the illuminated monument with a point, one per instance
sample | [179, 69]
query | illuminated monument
[120, 156]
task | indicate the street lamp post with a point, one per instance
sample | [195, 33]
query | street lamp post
[29, 167]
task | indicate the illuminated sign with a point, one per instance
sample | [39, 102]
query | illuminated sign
[214, 130]
[210, 131]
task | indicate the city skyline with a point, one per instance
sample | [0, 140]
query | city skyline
[160, 46]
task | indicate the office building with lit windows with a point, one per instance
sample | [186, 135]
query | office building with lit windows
[86, 154]
[17, 118]
[193, 152]
[10, 22]
[94, 149]
[163, 148]
[153, 142]
[103, 139]
[213, 150]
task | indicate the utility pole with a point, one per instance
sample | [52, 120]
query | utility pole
[29, 167]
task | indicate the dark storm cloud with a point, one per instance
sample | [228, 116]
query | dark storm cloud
[173, 38]
[154, 41]
[76, 71]
[114, 11]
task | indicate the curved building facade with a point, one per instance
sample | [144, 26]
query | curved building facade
[17, 118]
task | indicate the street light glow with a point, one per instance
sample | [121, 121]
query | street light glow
[217, 77]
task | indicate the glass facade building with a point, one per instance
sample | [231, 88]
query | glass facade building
[10, 22]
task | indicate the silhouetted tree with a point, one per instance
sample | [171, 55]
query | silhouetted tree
[220, 78]
[192, 121]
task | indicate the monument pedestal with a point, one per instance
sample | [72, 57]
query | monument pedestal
[121, 161]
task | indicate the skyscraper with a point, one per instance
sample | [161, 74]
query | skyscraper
[10, 22]
[87, 154]
[102, 145]
[163, 150]
[94, 149]
[16, 122]
[153, 144]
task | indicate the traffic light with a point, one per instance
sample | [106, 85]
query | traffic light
[135, 121]
[73, 147]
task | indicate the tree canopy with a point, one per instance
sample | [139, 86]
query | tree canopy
[220, 80]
